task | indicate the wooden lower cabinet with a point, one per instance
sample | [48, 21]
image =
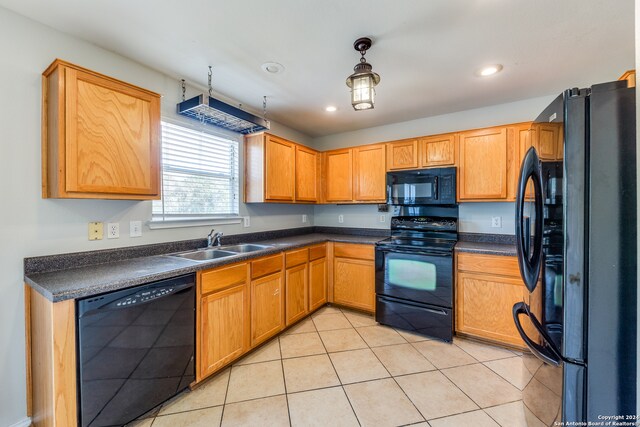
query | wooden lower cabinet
[485, 295]
[354, 276]
[267, 307]
[296, 284]
[224, 332]
[317, 283]
[222, 317]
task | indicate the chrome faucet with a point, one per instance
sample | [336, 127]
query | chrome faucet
[213, 238]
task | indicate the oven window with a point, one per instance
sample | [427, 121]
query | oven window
[412, 274]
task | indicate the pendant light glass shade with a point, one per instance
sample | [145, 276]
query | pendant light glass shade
[363, 80]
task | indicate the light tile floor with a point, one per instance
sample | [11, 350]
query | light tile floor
[340, 368]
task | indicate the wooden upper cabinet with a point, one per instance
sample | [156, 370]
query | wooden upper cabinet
[279, 169]
[439, 150]
[339, 175]
[630, 77]
[546, 141]
[307, 174]
[402, 155]
[100, 136]
[483, 165]
[369, 173]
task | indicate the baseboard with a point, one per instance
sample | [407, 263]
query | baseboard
[25, 422]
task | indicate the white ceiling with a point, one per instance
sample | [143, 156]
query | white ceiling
[426, 52]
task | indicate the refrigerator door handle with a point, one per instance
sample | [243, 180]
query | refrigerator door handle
[530, 266]
[547, 354]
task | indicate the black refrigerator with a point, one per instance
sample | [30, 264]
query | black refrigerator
[576, 239]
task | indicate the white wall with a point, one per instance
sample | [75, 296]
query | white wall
[474, 217]
[32, 226]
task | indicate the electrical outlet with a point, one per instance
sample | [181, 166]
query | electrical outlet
[135, 228]
[304, 218]
[113, 230]
[341, 219]
[496, 221]
[383, 218]
[96, 230]
[247, 221]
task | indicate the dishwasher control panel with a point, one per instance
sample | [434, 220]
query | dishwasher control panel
[144, 296]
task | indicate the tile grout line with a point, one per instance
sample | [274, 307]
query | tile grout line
[284, 381]
[390, 375]
[226, 393]
[341, 385]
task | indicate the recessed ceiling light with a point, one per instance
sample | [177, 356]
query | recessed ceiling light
[272, 67]
[330, 108]
[489, 70]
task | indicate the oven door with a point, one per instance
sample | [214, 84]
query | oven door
[411, 189]
[415, 275]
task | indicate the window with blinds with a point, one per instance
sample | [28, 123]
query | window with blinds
[199, 175]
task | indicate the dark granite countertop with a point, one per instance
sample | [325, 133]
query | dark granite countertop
[93, 279]
[487, 248]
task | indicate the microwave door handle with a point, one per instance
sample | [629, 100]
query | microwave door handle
[435, 188]
[547, 354]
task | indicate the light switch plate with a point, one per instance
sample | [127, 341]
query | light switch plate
[304, 218]
[341, 219]
[96, 231]
[383, 218]
[135, 228]
[247, 221]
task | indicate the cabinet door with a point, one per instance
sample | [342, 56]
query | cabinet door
[354, 283]
[339, 175]
[112, 136]
[224, 328]
[370, 174]
[439, 150]
[317, 283]
[402, 155]
[547, 140]
[483, 306]
[296, 284]
[483, 164]
[279, 169]
[267, 308]
[306, 174]
[524, 139]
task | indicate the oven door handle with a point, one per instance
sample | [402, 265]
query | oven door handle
[415, 252]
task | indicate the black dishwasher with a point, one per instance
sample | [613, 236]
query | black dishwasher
[135, 350]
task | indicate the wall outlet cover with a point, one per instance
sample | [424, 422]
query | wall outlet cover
[96, 231]
[113, 230]
[496, 222]
[341, 219]
[246, 221]
[135, 228]
[304, 218]
[383, 218]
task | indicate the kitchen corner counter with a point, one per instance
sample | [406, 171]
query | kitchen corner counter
[93, 279]
[487, 244]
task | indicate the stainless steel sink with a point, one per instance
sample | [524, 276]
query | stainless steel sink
[206, 254]
[247, 247]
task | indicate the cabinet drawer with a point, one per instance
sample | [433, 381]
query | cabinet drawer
[297, 257]
[317, 252]
[350, 250]
[489, 264]
[220, 278]
[265, 266]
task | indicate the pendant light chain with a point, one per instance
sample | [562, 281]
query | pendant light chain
[184, 90]
[210, 88]
[264, 107]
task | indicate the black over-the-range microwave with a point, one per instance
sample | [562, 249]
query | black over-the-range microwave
[422, 187]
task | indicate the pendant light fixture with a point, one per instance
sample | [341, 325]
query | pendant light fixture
[363, 80]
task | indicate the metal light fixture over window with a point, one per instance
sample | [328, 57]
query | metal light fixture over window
[363, 80]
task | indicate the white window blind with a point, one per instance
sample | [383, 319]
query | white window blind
[199, 175]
